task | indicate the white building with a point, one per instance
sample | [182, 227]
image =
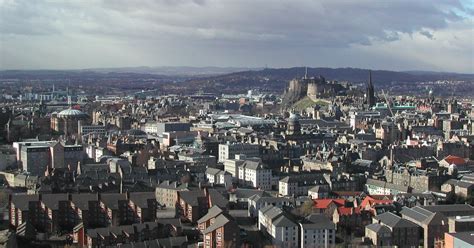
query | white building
[317, 231]
[318, 192]
[298, 185]
[228, 151]
[97, 129]
[256, 175]
[257, 202]
[217, 176]
[275, 223]
[232, 165]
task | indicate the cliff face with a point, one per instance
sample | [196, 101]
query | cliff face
[297, 90]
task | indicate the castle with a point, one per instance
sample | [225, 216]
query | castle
[313, 87]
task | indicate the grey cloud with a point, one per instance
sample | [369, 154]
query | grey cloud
[264, 27]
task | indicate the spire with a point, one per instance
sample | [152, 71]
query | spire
[305, 72]
[370, 78]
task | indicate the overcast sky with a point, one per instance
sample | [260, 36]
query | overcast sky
[386, 34]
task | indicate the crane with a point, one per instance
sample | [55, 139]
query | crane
[388, 103]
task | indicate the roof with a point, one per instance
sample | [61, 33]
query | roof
[369, 201]
[283, 221]
[377, 228]
[467, 237]
[21, 201]
[111, 200]
[420, 215]
[451, 210]
[212, 171]
[392, 220]
[324, 203]
[81, 201]
[217, 199]
[191, 197]
[451, 159]
[211, 213]
[51, 201]
[220, 221]
[71, 113]
[318, 221]
[459, 183]
[141, 198]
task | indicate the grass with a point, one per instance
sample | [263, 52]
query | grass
[307, 102]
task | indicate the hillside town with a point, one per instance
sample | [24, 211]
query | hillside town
[325, 164]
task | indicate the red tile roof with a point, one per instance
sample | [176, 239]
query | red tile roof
[324, 203]
[451, 159]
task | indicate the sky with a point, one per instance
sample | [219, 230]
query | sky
[435, 35]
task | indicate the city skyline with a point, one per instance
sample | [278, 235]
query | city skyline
[402, 35]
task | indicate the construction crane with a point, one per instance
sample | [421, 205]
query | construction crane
[388, 103]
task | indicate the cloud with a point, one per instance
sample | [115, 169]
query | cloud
[229, 33]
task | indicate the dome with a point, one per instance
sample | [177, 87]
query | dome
[293, 117]
[74, 113]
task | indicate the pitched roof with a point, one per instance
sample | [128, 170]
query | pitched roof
[324, 203]
[21, 201]
[283, 221]
[451, 159]
[211, 213]
[318, 221]
[376, 227]
[220, 221]
[391, 220]
[191, 197]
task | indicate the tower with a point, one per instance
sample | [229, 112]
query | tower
[370, 94]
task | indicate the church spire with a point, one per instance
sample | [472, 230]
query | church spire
[370, 94]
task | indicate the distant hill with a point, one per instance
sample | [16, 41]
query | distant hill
[277, 79]
[233, 79]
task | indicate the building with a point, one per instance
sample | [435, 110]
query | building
[67, 121]
[370, 93]
[35, 157]
[434, 224]
[459, 240]
[276, 224]
[160, 127]
[403, 233]
[229, 150]
[166, 193]
[220, 177]
[379, 187]
[92, 129]
[257, 202]
[317, 231]
[232, 165]
[299, 184]
[255, 174]
[219, 229]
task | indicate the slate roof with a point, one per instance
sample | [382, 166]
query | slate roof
[377, 228]
[51, 201]
[217, 199]
[211, 213]
[111, 200]
[81, 201]
[392, 220]
[191, 197]
[283, 221]
[318, 221]
[21, 201]
[141, 198]
[220, 221]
